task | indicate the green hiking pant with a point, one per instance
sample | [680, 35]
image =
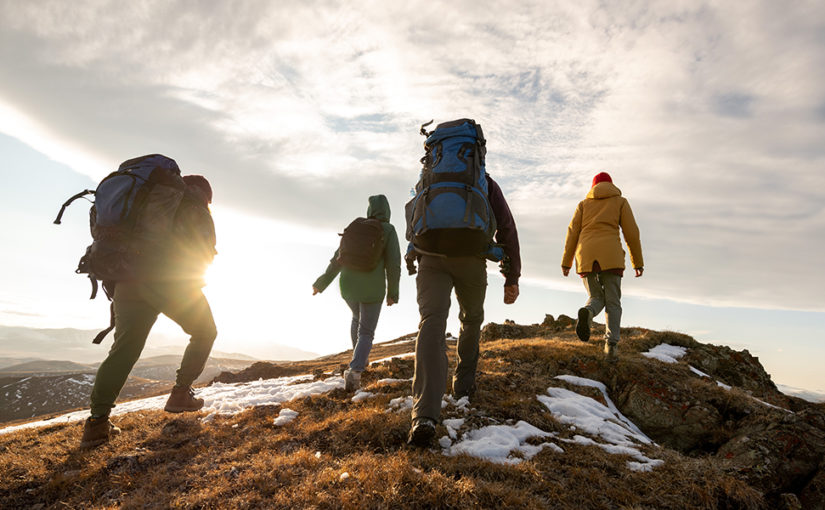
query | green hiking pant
[604, 291]
[136, 307]
[437, 276]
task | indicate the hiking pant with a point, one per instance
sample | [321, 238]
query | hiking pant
[605, 291]
[437, 276]
[362, 332]
[136, 307]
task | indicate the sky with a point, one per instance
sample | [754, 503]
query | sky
[709, 116]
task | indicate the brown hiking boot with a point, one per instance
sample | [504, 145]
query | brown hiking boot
[97, 431]
[182, 399]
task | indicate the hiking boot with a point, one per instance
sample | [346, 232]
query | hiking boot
[470, 393]
[583, 324]
[610, 351]
[352, 380]
[422, 432]
[97, 431]
[182, 399]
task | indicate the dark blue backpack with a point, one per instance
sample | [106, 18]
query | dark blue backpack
[450, 213]
[131, 221]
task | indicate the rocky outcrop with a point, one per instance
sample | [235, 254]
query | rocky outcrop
[715, 403]
[548, 328]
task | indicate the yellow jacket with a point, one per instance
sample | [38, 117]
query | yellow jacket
[593, 234]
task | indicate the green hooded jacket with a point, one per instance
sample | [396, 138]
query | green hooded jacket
[369, 286]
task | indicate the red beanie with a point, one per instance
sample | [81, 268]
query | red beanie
[601, 177]
[201, 183]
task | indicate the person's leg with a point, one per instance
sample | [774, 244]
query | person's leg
[434, 285]
[368, 320]
[188, 307]
[595, 294]
[134, 319]
[353, 327]
[470, 276]
[612, 284]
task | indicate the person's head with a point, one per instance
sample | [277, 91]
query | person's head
[200, 183]
[601, 177]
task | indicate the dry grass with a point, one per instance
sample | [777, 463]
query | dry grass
[244, 461]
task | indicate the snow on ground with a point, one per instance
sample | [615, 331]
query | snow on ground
[392, 381]
[218, 398]
[362, 395]
[619, 435]
[698, 372]
[498, 443]
[670, 353]
[405, 355]
[666, 353]
[284, 417]
[400, 404]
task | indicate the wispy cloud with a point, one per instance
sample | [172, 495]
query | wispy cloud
[709, 117]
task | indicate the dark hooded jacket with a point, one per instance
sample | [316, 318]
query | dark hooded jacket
[370, 286]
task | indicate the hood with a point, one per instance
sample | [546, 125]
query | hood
[379, 208]
[604, 190]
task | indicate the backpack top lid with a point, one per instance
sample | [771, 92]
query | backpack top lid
[145, 166]
[461, 127]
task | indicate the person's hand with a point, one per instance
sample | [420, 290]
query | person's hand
[315, 290]
[390, 301]
[639, 271]
[565, 271]
[510, 294]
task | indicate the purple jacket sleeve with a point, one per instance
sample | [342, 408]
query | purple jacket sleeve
[506, 234]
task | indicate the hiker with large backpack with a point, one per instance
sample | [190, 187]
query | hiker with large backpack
[457, 213]
[369, 260]
[153, 237]
[593, 240]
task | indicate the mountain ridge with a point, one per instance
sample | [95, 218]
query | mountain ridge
[722, 436]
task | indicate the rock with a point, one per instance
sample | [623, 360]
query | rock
[813, 495]
[776, 455]
[667, 414]
[127, 464]
[789, 501]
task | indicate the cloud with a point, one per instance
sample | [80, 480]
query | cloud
[708, 116]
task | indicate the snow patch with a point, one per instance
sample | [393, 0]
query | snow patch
[362, 395]
[666, 353]
[497, 443]
[284, 417]
[402, 356]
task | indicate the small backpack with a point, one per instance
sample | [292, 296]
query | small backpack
[131, 220]
[362, 244]
[450, 213]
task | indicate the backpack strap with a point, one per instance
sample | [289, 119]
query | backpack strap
[69, 201]
[109, 290]
[102, 334]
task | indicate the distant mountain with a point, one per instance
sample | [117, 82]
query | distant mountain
[7, 362]
[48, 366]
[43, 387]
[27, 397]
[26, 344]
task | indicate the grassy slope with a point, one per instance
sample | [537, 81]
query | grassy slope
[240, 461]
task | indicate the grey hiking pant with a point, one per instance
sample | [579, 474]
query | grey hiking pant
[605, 291]
[137, 306]
[437, 277]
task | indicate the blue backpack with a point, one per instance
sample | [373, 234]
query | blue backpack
[131, 221]
[450, 213]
